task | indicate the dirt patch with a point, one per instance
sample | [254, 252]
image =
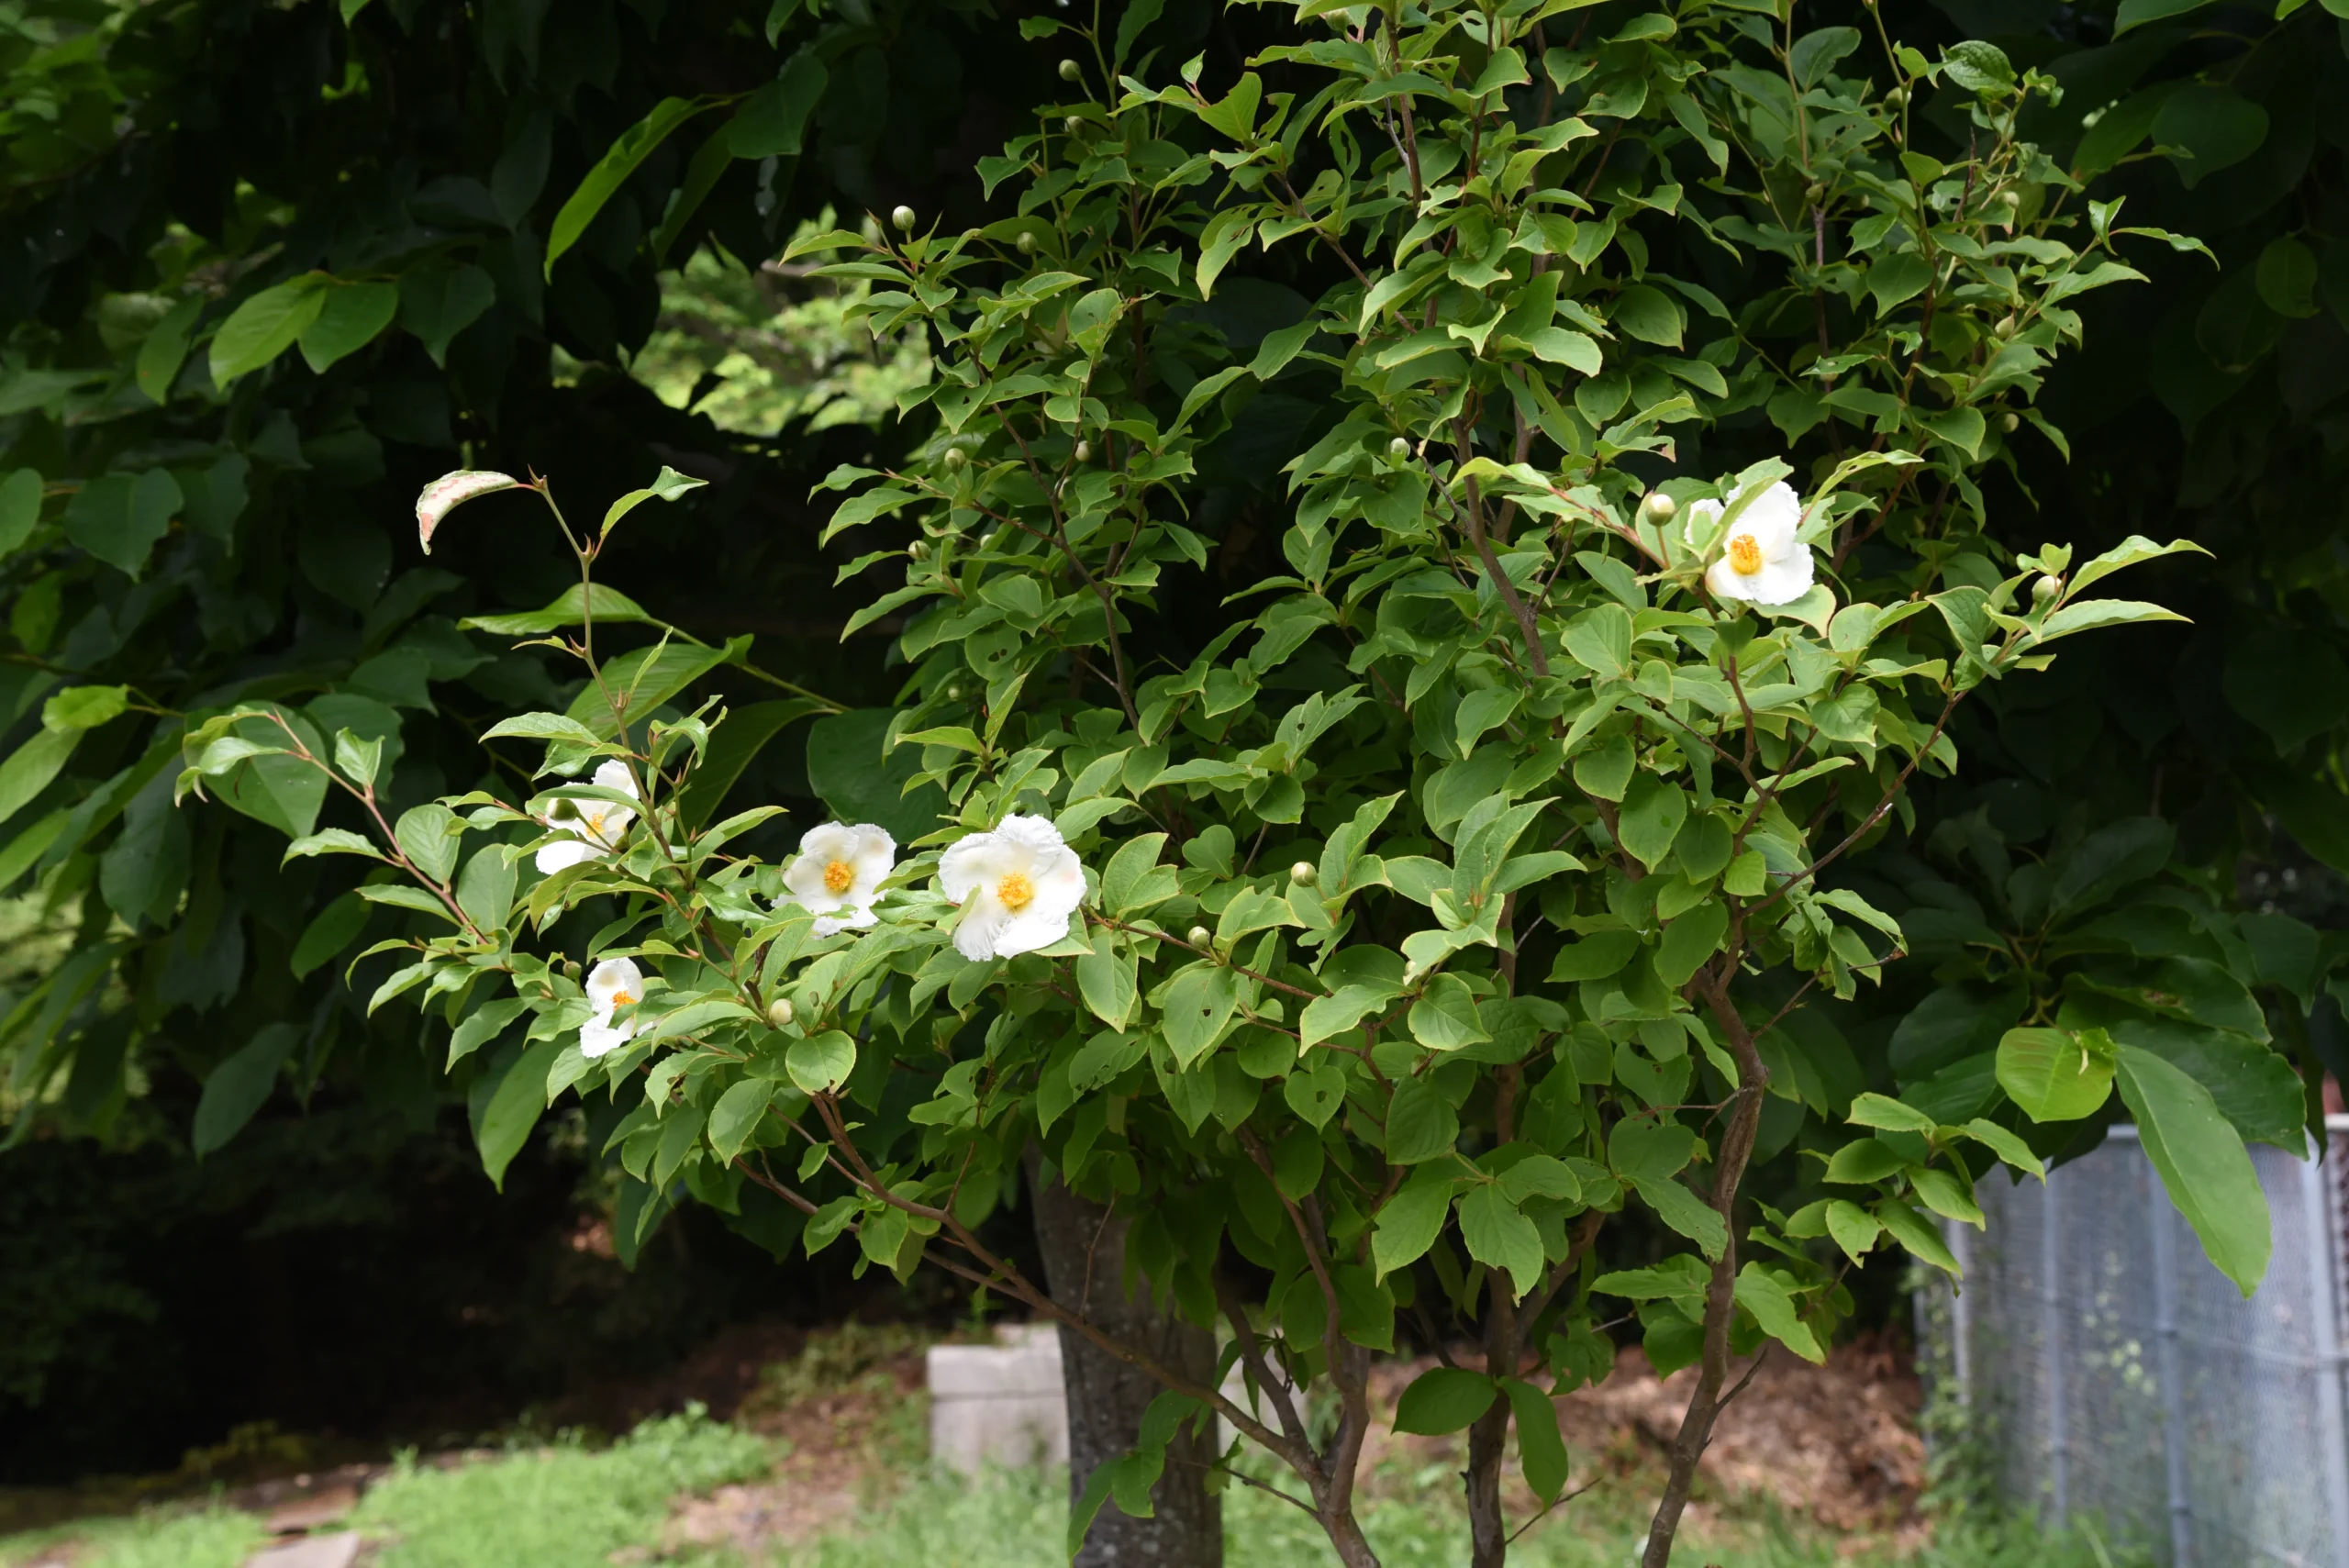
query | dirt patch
[849, 1412]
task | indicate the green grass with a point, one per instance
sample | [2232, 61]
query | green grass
[568, 1505]
[553, 1507]
[1017, 1520]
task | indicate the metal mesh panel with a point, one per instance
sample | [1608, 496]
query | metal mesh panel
[2109, 1371]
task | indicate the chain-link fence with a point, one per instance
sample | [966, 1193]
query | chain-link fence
[2108, 1370]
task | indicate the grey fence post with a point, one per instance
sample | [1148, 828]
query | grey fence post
[2181, 1505]
[2317, 1236]
[2051, 1333]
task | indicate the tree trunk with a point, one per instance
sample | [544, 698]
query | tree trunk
[1084, 1266]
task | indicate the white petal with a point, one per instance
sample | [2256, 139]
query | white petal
[613, 775]
[1037, 926]
[828, 927]
[805, 877]
[829, 841]
[1035, 833]
[966, 863]
[450, 490]
[974, 934]
[1772, 518]
[554, 858]
[1724, 580]
[600, 1039]
[1783, 581]
[608, 979]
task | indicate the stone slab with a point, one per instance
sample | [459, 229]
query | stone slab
[340, 1550]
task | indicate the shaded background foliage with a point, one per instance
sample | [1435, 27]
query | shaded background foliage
[200, 543]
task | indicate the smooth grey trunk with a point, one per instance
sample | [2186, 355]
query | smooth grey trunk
[1085, 1267]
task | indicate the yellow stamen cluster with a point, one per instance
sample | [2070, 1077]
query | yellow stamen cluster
[1015, 892]
[1745, 555]
[837, 874]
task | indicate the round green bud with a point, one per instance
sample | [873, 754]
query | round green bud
[779, 1012]
[903, 219]
[1084, 451]
[1814, 193]
[2045, 588]
[1303, 875]
[1398, 449]
[1074, 125]
[1026, 244]
[2010, 198]
[571, 969]
[955, 458]
[1071, 70]
[954, 694]
[1895, 99]
[2006, 327]
[918, 549]
[1200, 936]
[1659, 508]
[2011, 423]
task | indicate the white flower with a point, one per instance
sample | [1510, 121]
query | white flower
[599, 824]
[839, 867]
[1762, 561]
[612, 985]
[1018, 886]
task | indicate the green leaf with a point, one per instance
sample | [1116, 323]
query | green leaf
[428, 836]
[84, 707]
[1649, 315]
[349, 316]
[165, 350]
[31, 766]
[514, 1108]
[734, 1120]
[1500, 1237]
[1961, 428]
[847, 773]
[1759, 1293]
[485, 890]
[1541, 1447]
[483, 1025]
[770, 121]
[611, 170]
[118, 517]
[20, 494]
[1916, 1233]
[1199, 1004]
[2054, 1075]
[1889, 1115]
[1420, 1124]
[332, 841]
[608, 604]
[1442, 1400]
[335, 927]
[1444, 1017]
[2006, 1146]
[1653, 809]
[2203, 1164]
[821, 1063]
[2137, 13]
[552, 726]
[666, 486]
[1410, 1220]
[2134, 551]
[265, 327]
[239, 1087]
[1854, 1228]
[440, 301]
[1105, 978]
[2216, 127]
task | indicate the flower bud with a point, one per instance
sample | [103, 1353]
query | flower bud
[1303, 875]
[1814, 193]
[918, 549]
[1026, 244]
[955, 458]
[1074, 125]
[954, 694]
[779, 1012]
[1398, 449]
[2011, 423]
[2010, 198]
[1071, 70]
[2045, 588]
[1200, 936]
[571, 969]
[2006, 327]
[903, 219]
[1084, 451]
[1659, 508]
[1895, 99]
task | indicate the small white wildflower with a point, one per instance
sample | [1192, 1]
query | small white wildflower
[1016, 885]
[612, 985]
[1762, 562]
[599, 824]
[839, 868]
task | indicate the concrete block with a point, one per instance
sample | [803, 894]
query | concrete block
[337, 1550]
[1001, 1404]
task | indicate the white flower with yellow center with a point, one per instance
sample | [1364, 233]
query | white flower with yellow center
[597, 824]
[1016, 885]
[1762, 562]
[839, 868]
[612, 985]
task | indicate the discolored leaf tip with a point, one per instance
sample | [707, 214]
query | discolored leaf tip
[436, 500]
